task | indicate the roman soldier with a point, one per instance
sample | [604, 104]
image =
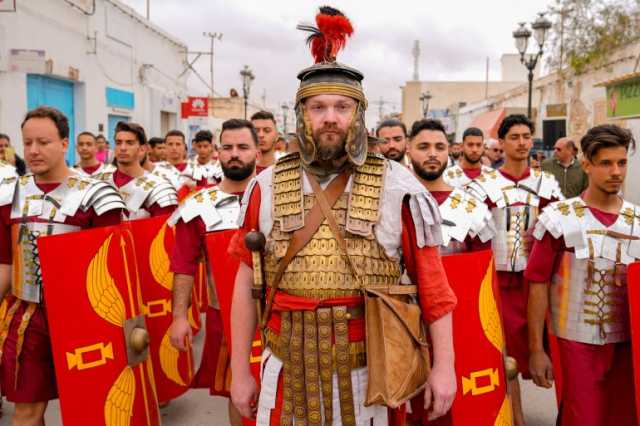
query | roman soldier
[578, 271]
[470, 165]
[515, 194]
[87, 148]
[332, 232]
[7, 171]
[209, 212]
[144, 193]
[467, 229]
[51, 200]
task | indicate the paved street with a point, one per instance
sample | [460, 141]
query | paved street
[198, 408]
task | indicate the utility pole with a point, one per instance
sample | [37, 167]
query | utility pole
[213, 37]
[381, 108]
[148, 10]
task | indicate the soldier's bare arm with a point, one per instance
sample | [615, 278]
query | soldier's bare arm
[180, 328]
[244, 390]
[5, 280]
[539, 362]
[442, 381]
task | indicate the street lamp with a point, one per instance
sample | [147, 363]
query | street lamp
[247, 78]
[285, 112]
[425, 98]
[540, 29]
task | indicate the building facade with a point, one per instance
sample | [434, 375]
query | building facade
[98, 61]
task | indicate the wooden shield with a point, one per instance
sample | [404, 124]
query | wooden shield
[154, 243]
[98, 336]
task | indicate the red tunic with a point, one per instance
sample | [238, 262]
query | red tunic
[473, 172]
[91, 169]
[36, 379]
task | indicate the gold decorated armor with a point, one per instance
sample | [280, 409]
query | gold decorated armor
[320, 270]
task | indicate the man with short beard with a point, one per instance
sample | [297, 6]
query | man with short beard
[455, 153]
[392, 134]
[238, 153]
[467, 226]
[311, 285]
[470, 165]
[265, 125]
[145, 194]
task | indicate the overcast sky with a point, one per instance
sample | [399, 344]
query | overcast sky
[456, 37]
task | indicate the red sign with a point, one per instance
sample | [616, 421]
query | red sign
[195, 107]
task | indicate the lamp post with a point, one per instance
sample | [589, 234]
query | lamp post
[425, 98]
[540, 29]
[247, 79]
[285, 113]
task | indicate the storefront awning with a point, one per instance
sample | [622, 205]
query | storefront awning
[489, 122]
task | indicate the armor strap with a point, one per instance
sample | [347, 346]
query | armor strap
[326, 362]
[345, 387]
[302, 236]
[286, 416]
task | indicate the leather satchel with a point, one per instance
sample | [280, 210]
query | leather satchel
[398, 358]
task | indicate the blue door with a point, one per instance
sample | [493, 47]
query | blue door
[46, 91]
[113, 121]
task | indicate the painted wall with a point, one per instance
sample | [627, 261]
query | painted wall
[115, 47]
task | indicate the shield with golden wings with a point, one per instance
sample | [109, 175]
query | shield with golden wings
[154, 243]
[98, 334]
[478, 339]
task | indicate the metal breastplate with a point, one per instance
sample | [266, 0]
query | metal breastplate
[586, 304]
[319, 270]
[27, 278]
[513, 240]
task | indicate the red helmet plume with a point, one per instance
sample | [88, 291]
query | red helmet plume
[330, 36]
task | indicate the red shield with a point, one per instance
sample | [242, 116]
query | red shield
[154, 242]
[93, 307]
[224, 269]
[633, 288]
[478, 340]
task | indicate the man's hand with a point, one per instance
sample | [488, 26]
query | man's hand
[181, 334]
[440, 391]
[244, 394]
[541, 369]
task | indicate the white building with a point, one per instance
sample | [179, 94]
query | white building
[98, 61]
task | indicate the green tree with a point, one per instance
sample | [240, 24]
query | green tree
[585, 32]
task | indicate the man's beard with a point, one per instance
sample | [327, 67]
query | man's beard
[426, 174]
[456, 155]
[395, 155]
[238, 173]
[470, 160]
[330, 151]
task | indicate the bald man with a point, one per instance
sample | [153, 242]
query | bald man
[566, 168]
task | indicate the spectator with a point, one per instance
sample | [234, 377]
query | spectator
[566, 168]
[493, 151]
[8, 154]
[104, 154]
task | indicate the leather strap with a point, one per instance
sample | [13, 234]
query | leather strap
[326, 210]
[302, 236]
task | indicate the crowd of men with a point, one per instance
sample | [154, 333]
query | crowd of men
[331, 221]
